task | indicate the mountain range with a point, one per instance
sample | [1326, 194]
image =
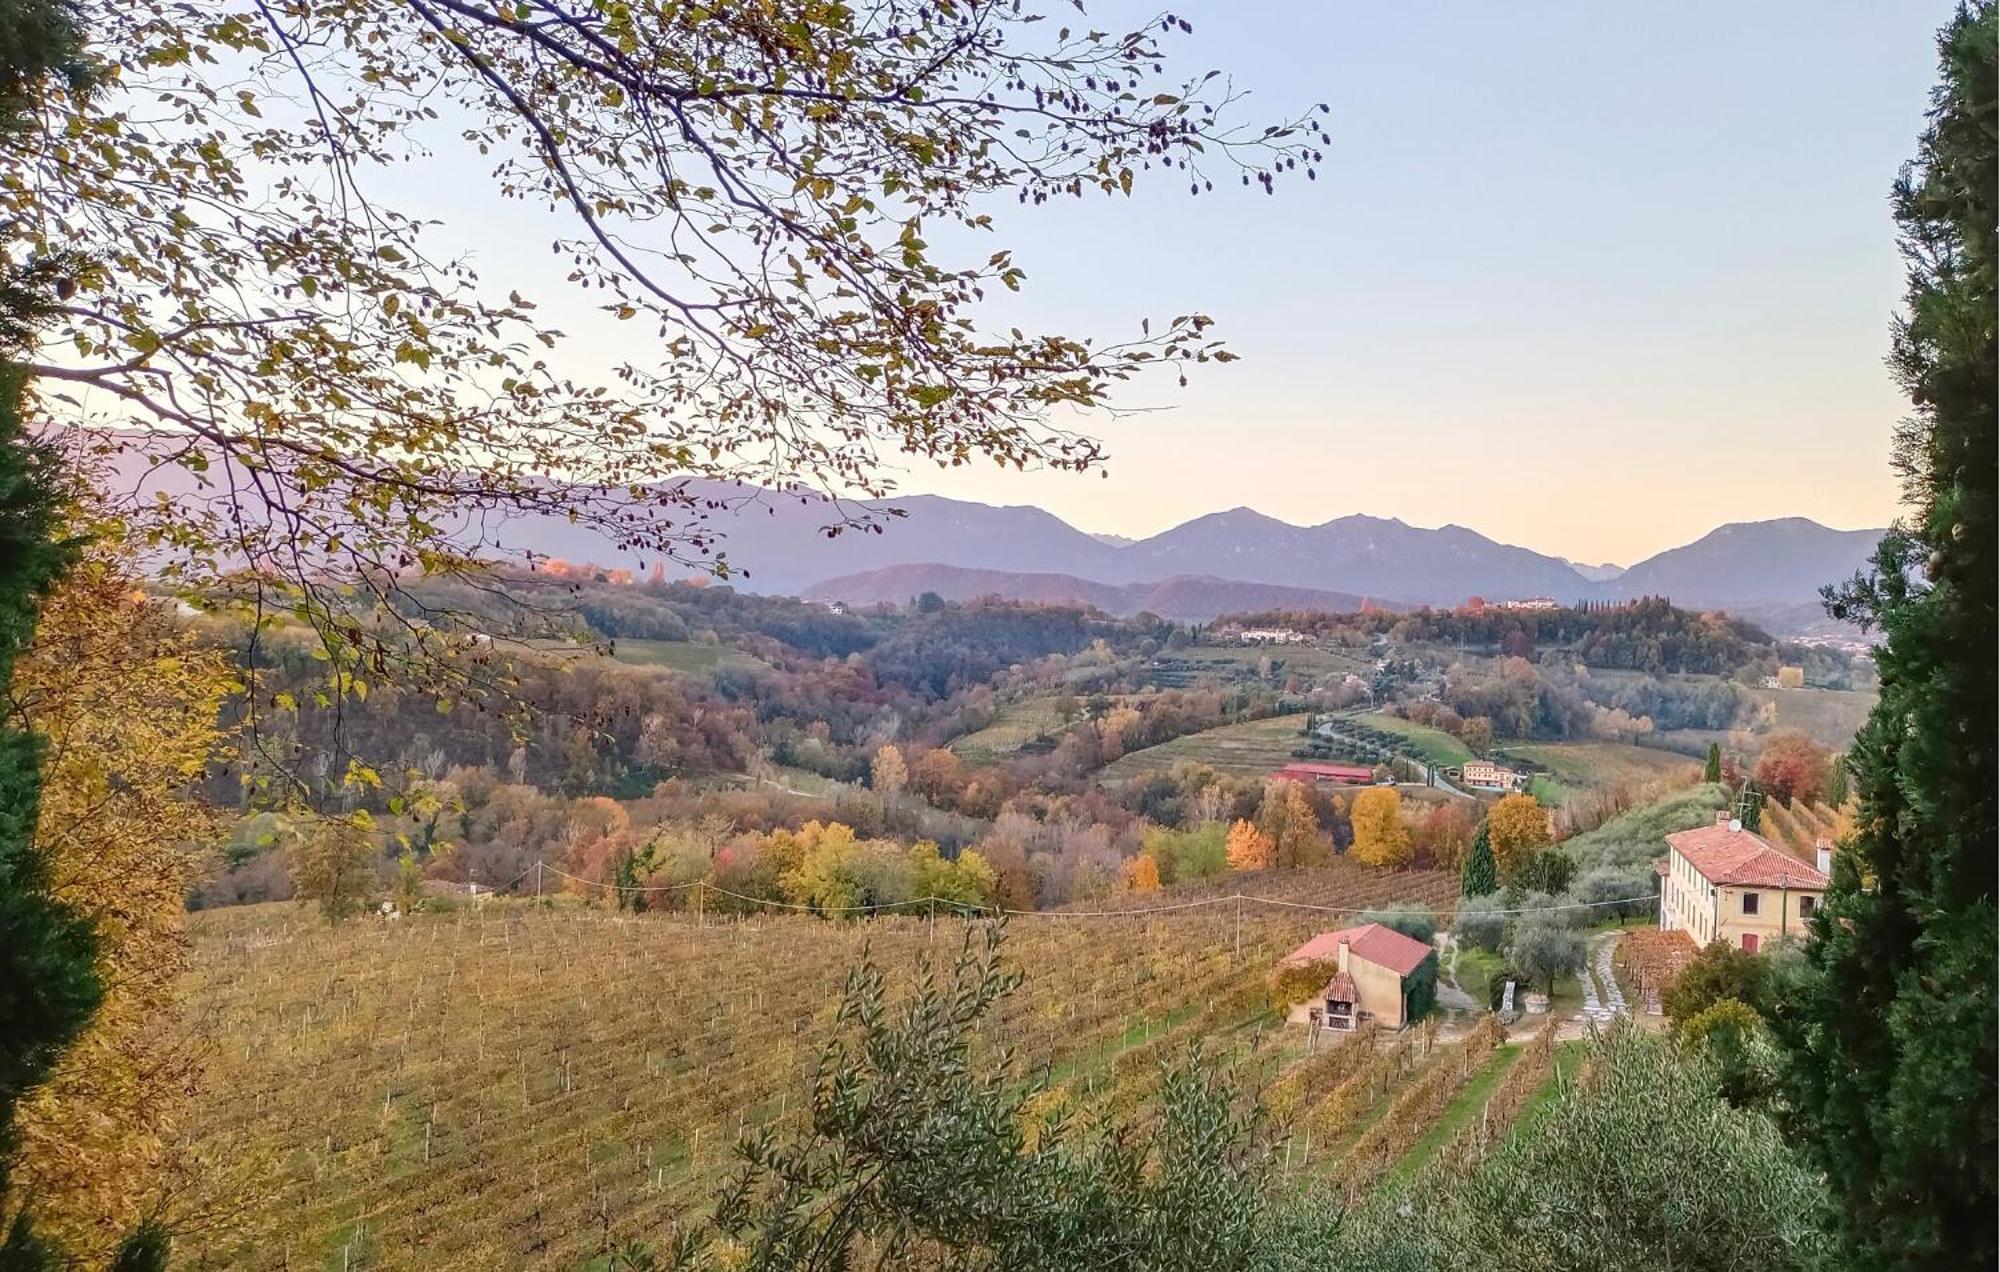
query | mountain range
[1240, 559]
[1234, 560]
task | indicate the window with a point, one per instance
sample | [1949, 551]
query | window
[1807, 905]
[1750, 900]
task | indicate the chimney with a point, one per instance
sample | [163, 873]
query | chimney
[1343, 954]
[1823, 854]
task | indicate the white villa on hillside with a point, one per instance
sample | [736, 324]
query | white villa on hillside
[1722, 882]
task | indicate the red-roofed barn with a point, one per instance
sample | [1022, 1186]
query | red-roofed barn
[1722, 882]
[1371, 968]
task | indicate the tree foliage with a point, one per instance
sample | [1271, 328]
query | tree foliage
[1380, 838]
[1516, 827]
[1635, 1164]
[1893, 1038]
[917, 1153]
[1721, 971]
[750, 203]
[1249, 848]
[128, 702]
[1479, 875]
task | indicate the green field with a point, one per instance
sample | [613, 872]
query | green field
[689, 657]
[1017, 724]
[1435, 745]
[1599, 764]
[1310, 659]
[1240, 750]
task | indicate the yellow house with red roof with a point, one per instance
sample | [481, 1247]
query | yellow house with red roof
[1371, 967]
[1724, 883]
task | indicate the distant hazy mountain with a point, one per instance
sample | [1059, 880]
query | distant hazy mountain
[1368, 555]
[1595, 573]
[1187, 598]
[781, 543]
[1767, 563]
[1115, 540]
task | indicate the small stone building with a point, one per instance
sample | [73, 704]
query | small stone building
[1371, 967]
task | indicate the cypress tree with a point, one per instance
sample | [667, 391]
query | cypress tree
[1711, 771]
[49, 987]
[1891, 1033]
[1477, 877]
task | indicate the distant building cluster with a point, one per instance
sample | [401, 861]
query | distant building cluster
[1271, 636]
[1531, 603]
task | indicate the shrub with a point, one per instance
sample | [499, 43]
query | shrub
[1480, 921]
[1720, 971]
[1293, 983]
[1613, 883]
[1639, 1166]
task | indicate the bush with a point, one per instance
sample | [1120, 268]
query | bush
[1481, 922]
[1613, 883]
[1639, 1167]
[1720, 971]
[1294, 983]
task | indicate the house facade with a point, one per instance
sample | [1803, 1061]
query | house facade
[1371, 970]
[1721, 882]
[1488, 776]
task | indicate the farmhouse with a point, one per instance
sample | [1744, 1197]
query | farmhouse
[1318, 774]
[1531, 603]
[1372, 971]
[1488, 776]
[1722, 882]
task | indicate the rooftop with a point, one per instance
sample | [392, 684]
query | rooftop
[1742, 858]
[1382, 946]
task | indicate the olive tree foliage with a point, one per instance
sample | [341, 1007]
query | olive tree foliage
[925, 1147]
[1637, 1164]
[755, 189]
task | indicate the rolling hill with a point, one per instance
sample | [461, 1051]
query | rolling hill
[1188, 598]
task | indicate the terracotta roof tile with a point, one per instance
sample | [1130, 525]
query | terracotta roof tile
[1382, 946]
[1742, 859]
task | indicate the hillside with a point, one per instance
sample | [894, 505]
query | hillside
[501, 1086]
[1186, 598]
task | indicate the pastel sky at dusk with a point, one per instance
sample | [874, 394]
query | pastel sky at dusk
[1589, 278]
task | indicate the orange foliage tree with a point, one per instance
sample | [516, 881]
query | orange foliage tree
[1793, 767]
[1142, 874]
[1250, 848]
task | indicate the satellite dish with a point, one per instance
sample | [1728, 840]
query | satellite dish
[1736, 823]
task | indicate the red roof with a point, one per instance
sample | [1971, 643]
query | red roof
[1743, 859]
[1339, 772]
[1341, 989]
[1382, 946]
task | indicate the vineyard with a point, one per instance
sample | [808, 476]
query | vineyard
[1798, 828]
[1252, 749]
[526, 1084]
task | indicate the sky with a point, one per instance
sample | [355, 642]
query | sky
[1589, 278]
